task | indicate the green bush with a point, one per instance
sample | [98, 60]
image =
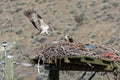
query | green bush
[105, 7]
[1, 10]
[105, 1]
[115, 4]
[19, 32]
[80, 19]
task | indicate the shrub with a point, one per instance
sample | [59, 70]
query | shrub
[93, 3]
[19, 32]
[110, 16]
[41, 40]
[104, 1]
[115, 4]
[1, 10]
[79, 5]
[40, 1]
[80, 19]
[105, 7]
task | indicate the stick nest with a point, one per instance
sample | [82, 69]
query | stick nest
[53, 51]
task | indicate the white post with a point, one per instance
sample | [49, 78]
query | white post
[8, 64]
[4, 44]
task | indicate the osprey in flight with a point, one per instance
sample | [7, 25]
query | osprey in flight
[37, 21]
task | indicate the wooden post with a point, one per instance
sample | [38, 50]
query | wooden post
[9, 68]
[53, 75]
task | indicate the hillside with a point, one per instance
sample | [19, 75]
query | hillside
[86, 21]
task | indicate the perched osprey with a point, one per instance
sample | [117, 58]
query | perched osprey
[68, 39]
[37, 21]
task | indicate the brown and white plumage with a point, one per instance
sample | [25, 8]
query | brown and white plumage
[68, 39]
[37, 21]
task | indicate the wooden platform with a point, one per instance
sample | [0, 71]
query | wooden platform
[78, 63]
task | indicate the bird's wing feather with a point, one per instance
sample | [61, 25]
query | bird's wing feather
[33, 17]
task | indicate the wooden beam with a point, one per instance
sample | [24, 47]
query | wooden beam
[78, 68]
[81, 63]
[53, 75]
[91, 77]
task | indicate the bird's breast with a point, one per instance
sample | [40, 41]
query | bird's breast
[44, 26]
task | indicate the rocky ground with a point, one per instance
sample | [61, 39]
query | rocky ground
[86, 21]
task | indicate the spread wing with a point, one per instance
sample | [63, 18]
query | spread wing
[34, 18]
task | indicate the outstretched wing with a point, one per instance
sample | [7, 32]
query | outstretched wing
[34, 18]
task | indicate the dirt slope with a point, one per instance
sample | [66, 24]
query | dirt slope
[86, 21]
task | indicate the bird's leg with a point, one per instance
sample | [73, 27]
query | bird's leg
[45, 30]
